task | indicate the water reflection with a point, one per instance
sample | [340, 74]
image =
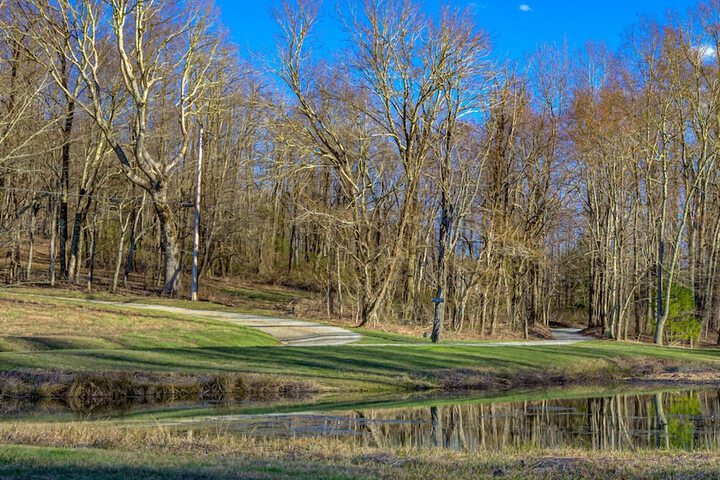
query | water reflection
[686, 420]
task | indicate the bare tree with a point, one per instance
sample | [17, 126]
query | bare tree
[157, 51]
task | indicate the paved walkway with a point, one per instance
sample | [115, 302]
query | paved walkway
[302, 333]
[290, 332]
[562, 336]
[569, 335]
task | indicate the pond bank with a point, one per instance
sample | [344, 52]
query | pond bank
[92, 390]
[86, 390]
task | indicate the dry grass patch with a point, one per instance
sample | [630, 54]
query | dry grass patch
[29, 324]
[325, 456]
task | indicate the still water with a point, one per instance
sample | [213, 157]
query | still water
[687, 420]
[608, 420]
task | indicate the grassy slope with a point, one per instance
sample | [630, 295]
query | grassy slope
[248, 301]
[362, 367]
[113, 339]
[31, 324]
[260, 302]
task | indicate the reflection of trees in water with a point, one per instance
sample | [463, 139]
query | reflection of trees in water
[685, 420]
[661, 423]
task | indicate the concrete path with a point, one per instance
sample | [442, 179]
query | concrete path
[302, 333]
[569, 334]
[562, 336]
[289, 331]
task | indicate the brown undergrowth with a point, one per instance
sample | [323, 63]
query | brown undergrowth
[650, 371]
[82, 391]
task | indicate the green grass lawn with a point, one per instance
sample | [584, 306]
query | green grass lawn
[252, 301]
[101, 464]
[376, 337]
[359, 367]
[41, 333]
[31, 323]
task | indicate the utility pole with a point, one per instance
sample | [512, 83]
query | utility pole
[196, 235]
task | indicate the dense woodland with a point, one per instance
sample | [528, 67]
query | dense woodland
[408, 164]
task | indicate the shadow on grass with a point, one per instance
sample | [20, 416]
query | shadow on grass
[107, 473]
[379, 365]
[70, 464]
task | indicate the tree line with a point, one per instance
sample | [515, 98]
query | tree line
[408, 175]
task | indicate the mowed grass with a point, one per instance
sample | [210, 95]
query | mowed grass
[378, 367]
[257, 302]
[365, 368]
[43, 333]
[262, 300]
[30, 324]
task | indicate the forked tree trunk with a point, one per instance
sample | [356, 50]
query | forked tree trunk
[168, 243]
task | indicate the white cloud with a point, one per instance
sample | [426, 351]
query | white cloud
[525, 8]
[706, 52]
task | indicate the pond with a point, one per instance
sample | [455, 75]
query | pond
[608, 420]
[687, 420]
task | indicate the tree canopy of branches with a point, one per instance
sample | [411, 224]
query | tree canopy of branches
[405, 175]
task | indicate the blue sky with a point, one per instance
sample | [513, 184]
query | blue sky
[516, 27]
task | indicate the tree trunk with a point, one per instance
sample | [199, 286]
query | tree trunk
[134, 237]
[52, 207]
[65, 187]
[168, 243]
[441, 278]
[31, 239]
[83, 206]
[74, 263]
[91, 260]
[660, 315]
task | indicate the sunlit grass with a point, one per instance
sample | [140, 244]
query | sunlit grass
[105, 451]
[31, 323]
[42, 333]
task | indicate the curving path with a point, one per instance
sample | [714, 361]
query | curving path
[569, 334]
[303, 333]
[290, 332]
[562, 336]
